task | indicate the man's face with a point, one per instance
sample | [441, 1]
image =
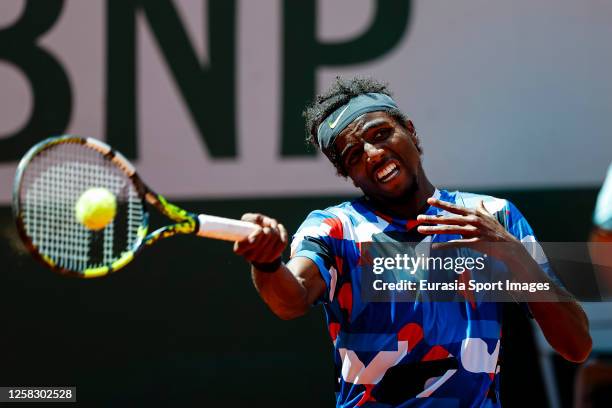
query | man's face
[380, 156]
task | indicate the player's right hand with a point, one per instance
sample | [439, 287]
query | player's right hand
[265, 244]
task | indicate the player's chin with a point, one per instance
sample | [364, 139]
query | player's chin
[400, 188]
[390, 194]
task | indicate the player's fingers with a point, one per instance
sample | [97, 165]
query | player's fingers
[270, 222]
[283, 233]
[251, 240]
[279, 244]
[261, 250]
[274, 232]
[263, 243]
[255, 218]
[256, 236]
[274, 229]
[260, 219]
[268, 235]
[453, 208]
[442, 219]
[482, 209]
[275, 246]
[455, 243]
[241, 246]
[467, 230]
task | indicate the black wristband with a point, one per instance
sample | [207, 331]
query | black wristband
[268, 267]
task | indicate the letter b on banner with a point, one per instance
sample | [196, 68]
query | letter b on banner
[51, 92]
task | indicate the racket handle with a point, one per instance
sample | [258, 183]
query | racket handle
[226, 229]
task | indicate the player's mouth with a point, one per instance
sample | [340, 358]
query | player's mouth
[387, 172]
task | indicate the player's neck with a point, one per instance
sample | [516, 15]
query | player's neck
[408, 207]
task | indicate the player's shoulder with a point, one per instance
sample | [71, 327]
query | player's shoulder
[602, 216]
[349, 208]
[350, 214]
[345, 206]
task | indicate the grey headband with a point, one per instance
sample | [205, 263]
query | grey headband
[344, 115]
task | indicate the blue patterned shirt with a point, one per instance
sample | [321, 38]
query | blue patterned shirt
[404, 354]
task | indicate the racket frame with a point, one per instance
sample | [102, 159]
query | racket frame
[185, 221]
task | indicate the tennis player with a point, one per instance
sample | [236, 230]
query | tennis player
[391, 353]
[593, 381]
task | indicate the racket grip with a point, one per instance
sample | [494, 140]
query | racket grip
[226, 229]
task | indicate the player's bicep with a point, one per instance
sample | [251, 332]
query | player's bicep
[307, 273]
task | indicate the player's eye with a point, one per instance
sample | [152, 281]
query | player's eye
[352, 157]
[382, 134]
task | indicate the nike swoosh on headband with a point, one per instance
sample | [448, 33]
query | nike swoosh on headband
[335, 122]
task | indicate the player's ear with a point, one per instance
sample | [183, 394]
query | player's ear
[409, 126]
[413, 135]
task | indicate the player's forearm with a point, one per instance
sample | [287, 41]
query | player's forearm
[560, 317]
[282, 292]
[565, 327]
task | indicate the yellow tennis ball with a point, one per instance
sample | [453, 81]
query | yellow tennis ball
[96, 208]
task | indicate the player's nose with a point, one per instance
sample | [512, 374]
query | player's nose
[373, 153]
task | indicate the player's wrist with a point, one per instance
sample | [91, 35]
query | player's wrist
[268, 267]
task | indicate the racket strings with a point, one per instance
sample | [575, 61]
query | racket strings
[53, 182]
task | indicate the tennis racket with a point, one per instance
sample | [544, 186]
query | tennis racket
[54, 174]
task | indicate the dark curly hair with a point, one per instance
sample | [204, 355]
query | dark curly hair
[340, 92]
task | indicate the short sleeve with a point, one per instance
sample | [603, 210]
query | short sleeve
[602, 217]
[314, 240]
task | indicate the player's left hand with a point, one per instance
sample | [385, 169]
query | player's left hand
[476, 226]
